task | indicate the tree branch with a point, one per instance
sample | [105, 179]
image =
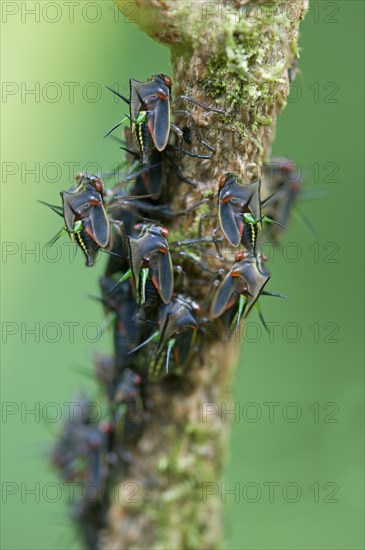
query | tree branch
[236, 56]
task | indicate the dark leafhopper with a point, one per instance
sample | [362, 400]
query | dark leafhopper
[150, 256]
[78, 454]
[150, 115]
[176, 318]
[175, 336]
[239, 211]
[105, 372]
[149, 180]
[284, 179]
[152, 99]
[127, 332]
[235, 200]
[247, 278]
[85, 217]
[127, 407]
[178, 327]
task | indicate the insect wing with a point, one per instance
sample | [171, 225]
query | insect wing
[247, 195]
[68, 213]
[223, 296]
[78, 204]
[81, 200]
[97, 225]
[162, 276]
[141, 248]
[256, 276]
[230, 224]
[183, 345]
[254, 200]
[290, 200]
[135, 98]
[159, 124]
[136, 259]
[233, 198]
[177, 318]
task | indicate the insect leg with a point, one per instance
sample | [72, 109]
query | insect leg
[203, 218]
[180, 137]
[216, 242]
[192, 155]
[194, 127]
[202, 266]
[200, 104]
[184, 179]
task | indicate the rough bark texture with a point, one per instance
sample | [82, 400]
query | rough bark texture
[236, 56]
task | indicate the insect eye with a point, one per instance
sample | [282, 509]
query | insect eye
[105, 427]
[223, 181]
[98, 184]
[167, 80]
[164, 232]
[79, 178]
[137, 379]
[239, 256]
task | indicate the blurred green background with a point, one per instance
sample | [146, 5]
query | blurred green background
[310, 449]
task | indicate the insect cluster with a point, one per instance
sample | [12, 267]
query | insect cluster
[165, 297]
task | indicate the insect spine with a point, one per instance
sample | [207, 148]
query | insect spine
[157, 291]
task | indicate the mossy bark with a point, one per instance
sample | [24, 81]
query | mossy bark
[237, 56]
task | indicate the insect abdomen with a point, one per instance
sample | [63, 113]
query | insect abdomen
[88, 246]
[144, 141]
